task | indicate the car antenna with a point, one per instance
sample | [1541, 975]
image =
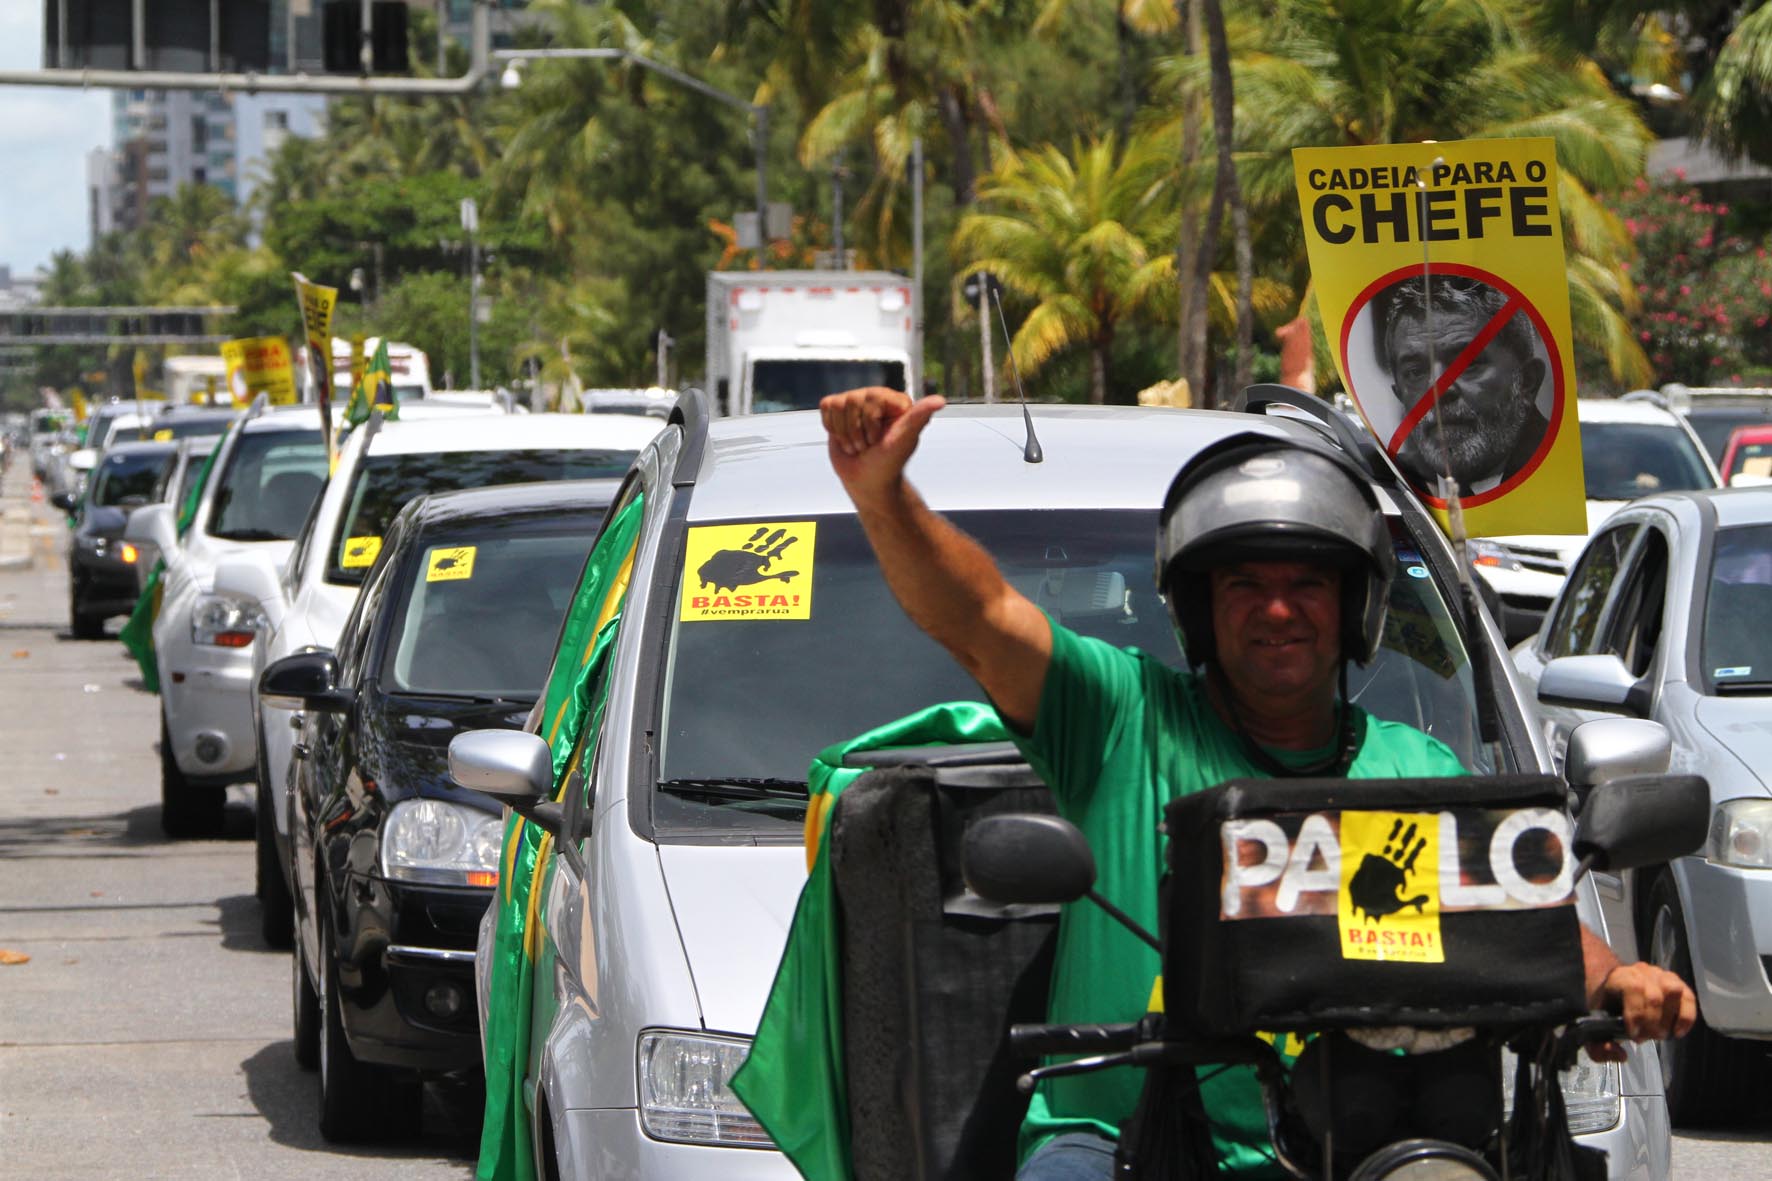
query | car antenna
[1030, 450]
[1488, 728]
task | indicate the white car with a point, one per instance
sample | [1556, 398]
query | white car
[1628, 449]
[266, 476]
[380, 468]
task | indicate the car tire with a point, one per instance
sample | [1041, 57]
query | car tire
[276, 908]
[84, 624]
[307, 1011]
[185, 809]
[1710, 1079]
[358, 1102]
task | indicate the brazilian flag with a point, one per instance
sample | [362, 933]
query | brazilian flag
[375, 391]
[792, 1081]
[571, 708]
[138, 634]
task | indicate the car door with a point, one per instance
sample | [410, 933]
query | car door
[1578, 622]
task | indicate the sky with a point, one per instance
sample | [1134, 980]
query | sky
[45, 133]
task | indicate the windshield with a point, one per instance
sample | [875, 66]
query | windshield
[130, 479]
[270, 481]
[799, 384]
[1714, 424]
[383, 484]
[481, 609]
[755, 699]
[1625, 460]
[1737, 651]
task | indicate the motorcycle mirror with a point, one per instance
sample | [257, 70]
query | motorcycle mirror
[1027, 857]
[1638, 820]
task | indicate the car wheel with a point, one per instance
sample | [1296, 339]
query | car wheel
[185, 809]
[358, 1101]
[276, 920]
[307, 1011]
[84, 624]
[1709, 1079]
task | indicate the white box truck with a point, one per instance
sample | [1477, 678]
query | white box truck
[412, 369]
[781, 340]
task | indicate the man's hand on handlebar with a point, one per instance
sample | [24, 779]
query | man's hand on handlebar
[1654, 1003]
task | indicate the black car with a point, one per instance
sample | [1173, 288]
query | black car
[102, 578]
[393, 863]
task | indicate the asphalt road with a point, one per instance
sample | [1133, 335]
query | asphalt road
[148, 1033]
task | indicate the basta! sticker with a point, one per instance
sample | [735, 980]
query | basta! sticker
[450, 563]
[360, 552]
[756, 570]
[1389, 904]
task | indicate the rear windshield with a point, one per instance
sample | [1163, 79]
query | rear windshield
[382, 484]
[480, 610]
[1625, 460]
[798, 385]
[755, 699]
[130, 479]
[1751, 459]
[268, 485]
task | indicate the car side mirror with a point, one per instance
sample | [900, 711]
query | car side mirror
[305, 680]
[1605, 749]
[1599, 682]
[1027, 857]
[514, 767]
[154, 525]
[1641, 820]
[63, 500]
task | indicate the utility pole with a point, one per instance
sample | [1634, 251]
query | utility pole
[470, 221]
[665, 341]
[917, 265]
[984, 338]
[837, 212]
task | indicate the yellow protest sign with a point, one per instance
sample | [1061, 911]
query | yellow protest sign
[1440, 276]
[260, 364]
[360, 552]
[756, 570]
[450, 563]
[77, 399]
[317, 303]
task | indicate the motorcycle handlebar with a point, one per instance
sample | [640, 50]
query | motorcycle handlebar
[1034, 1040]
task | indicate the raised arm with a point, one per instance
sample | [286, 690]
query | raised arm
[944, 580]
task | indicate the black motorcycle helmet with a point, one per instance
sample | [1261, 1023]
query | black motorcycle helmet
[1259, 497]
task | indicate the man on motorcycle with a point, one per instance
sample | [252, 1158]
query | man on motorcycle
[1275, 561]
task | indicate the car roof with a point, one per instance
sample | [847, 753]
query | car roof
[1758, 432]
[1618, 410]
[442, 510]
[141, 447]
[970, 457]
[487, 432]
[287, 418]
[1750, 505]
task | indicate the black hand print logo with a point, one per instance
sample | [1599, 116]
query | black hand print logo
[732, 568]
[448, 563]
[1377, 886]
[358, 549]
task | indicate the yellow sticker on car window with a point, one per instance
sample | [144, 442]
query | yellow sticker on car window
[450, 563]
[360, 551]
[759, 570]
[163, 436]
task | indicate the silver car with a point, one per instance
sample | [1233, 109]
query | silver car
[1668, 615]
[679, 860]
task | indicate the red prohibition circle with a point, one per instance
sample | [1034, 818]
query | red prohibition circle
[1559, 392]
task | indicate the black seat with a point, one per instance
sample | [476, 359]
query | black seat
[933, 976]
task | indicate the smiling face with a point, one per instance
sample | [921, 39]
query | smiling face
[1483, 411]
[1277, 630]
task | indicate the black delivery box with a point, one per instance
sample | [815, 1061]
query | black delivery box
[1315, 904]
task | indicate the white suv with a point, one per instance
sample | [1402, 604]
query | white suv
[268, 472]
[380, 468]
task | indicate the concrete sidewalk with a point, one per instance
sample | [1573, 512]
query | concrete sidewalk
[27, 524]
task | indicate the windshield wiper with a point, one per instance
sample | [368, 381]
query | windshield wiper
[250, 535]
[737, 788]
[1743, 688]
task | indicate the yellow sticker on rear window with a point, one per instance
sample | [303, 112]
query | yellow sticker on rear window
[360, 551]
[450, 563]
[163, 436]
[760, 570]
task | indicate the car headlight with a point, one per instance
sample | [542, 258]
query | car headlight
[442, 843]
[1741, 834]
[683, 1093]
[225, 621]
[1492, 554]
[1591, 1092]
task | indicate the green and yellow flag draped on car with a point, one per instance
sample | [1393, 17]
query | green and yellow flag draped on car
[792, 1080]
[375, 391]
[572, 706]
[138, 634]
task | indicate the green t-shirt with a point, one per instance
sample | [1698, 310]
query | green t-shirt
[1118, 736]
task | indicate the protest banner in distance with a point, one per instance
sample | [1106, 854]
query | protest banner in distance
[317, 303]
[1440, 278]
[259, 364]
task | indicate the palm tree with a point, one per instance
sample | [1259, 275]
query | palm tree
[1084, 237]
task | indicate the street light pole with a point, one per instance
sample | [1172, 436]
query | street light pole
[470, 222]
